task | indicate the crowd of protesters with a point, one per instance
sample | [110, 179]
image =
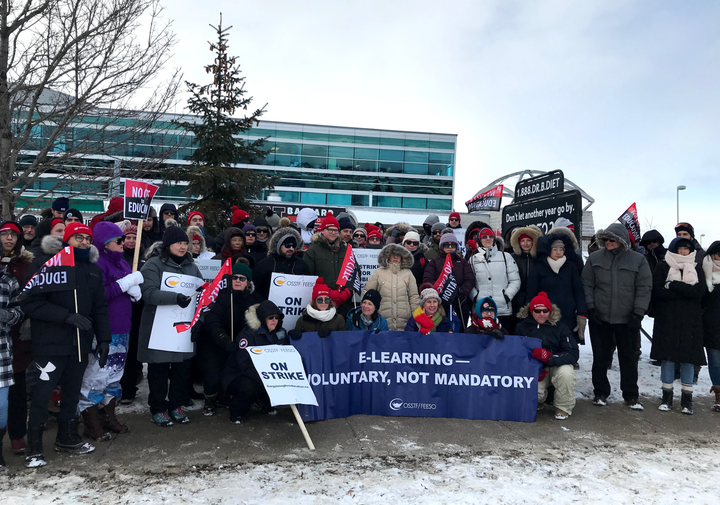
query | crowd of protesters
[88, 347]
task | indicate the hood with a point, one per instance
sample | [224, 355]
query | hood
[534, 233]
[52, 245]
[306, 216]
[279, 237]
[258, 312]
[25, 257]
[403, 227]
[229, 233]
[555, 315]
[169, 206]
[713, 249]
[483, 300]
[116, 205]
[406, 258]
[474, 226]
[196, 231]
[431, 220]
[569, 233]
[105, 231]
[615, 231]
[154, 250]
[651, 235]
[545, 245]
[437, 227]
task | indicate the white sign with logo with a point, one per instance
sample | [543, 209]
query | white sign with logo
[291, 293]
[164, 336]
[208, 268]
[460, 236]
[281, 371]
[367, 262]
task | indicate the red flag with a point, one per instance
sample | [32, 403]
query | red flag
[630, 219]
[56, 274]
[446, 285]
[209, 294]
[349, 275]
[489, 200]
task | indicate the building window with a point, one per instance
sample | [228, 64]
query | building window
[333, 199]
[315, 198]
[438, 204]
[413, 203]
[362, 153]
[389, 201]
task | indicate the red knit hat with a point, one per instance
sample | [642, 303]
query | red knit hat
[74, 228]
[198, 213]
[486, 232]
[9, 225]
[327, 221]
[454, 214]
[130, 230]
[320, 289]
[238, 215]
[541, 300]
[525, 235]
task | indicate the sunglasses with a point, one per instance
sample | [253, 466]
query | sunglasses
[240, 278]
[120, 240]
[289, 245]
[323, 300]
[454, 219]
[250, 234]
[449, 246]
[273, 317]
[412, 242]
[437, 233]
[262, 230]
[358, 235]
[541, 311]
[374, 239]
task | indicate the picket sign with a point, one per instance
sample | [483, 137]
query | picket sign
[291, 293]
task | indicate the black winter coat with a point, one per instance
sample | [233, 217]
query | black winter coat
[678, 330]
[262, 273]
[418, 268]
[258, 251]
[555, 335]
[711, 318]
[526, 265]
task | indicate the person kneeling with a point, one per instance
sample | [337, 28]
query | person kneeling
[366, 316]
[430, 316]
[484, 320]
[240, 378]
[559, 352]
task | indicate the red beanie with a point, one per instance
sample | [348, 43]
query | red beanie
[74, 228]
[455, 214]
[198, 213]
[327, 221]
[320, 289]
[486, 232]
[524, 235]
[238, 215]
[541, 300]
[9, 225]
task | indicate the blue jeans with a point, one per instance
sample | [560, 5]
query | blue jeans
[667, 373]
[4, 406]
[713, 359]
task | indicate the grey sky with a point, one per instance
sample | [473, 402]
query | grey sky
[620, 95]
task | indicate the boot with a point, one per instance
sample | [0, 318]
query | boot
[68, 440]
[34, 452]
[93, 426]
[210, 405]
[716, 390]
[110, 422]
[667, 400]
[686, 403]
[2, 435]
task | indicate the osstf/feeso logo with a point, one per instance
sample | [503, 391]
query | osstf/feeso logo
[398, 403]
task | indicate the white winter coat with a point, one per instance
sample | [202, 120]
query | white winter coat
[497, 276]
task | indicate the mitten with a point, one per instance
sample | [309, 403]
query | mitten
[472, 245]
[541, 354]
[79, 321]
[324, 332]
[135, 293]
[133, 279]
[295, 333]
[340, 296]
[543, 374]
[183, 300]
[635, 322]
[102, 351]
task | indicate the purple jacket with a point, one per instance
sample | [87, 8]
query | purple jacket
[113, 268]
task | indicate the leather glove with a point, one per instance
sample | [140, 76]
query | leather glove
[495, 333]
[102, 351]
[541, 354]
[543, 374]
[295, 333]
[133, 279]
[635, 322]
[580, 328]
[591, 314]
[79, 321]
[324, 332]
[135, 293]
[183, 300]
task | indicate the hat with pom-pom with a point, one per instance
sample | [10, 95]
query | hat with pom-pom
[320, 289]
[239, 215]
[541, 300]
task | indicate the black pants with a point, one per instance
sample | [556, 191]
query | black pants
[68, 374]
[133, 367]
[601, 338]
[17, 407]
[159, 374]
[245, 392]
[212, 360]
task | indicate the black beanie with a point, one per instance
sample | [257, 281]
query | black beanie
[27, 220]
[174, 234]
[73, 213]
[345, 223]
[374, 297]
[685, 227]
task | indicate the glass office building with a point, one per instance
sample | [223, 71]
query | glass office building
[314, 165]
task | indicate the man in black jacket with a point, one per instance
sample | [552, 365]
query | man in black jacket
[57, 324]
[281, 247]
[653, 242]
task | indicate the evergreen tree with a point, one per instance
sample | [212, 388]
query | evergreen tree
[213, 182]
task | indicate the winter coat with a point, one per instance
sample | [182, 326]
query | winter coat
[678, 329]
[113, 268]
[10, 315]
[433, 249]
[564, 288]
[577, 258]
[495, 274]
[239, 364]
[396, 284]
[555, 335]
[325, 260]
[304, 218]
[153, 296]
[196, 231]
[711, 318]
[21, 349]
[51, 335]
[258, 251]
[225, 251]
[419, 263]
[354, 321]
[617, 283]
[525, 262]
[262, 273]
[308, 324]
[163, 208]
[656, 255]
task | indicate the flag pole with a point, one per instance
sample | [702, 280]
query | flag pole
[76, 328]
[232, 319]
[305, 433]
[136, 256]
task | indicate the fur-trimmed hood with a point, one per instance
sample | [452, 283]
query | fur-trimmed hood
[154, 250]
[615, 231]
[566, 231]
[403, 227]
[279, 236]
[256, 313]
[52, 245]
[555, 315]
[196, 231]
[531, 232]
[406, 257]
[544, 245]
[475, 226]
[25, 256]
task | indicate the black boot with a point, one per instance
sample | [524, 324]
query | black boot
[2, 435]
[686, 403]
[68, 439]
[34, 451]
[667, 400]
[210, 405]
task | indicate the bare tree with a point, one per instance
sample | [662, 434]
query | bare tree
[69, 73]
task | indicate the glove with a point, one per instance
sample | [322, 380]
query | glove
[541, 354]
[495, 333]
[102, 351]
[12, 316]
[183, 300]
[472, 245]
[79, 321]
[580, 328]
[591, 315]
[543, 374]
[135, 293]
[296, 333]
[324, 332]
[133, 279]
[340, 296]
[635, 322]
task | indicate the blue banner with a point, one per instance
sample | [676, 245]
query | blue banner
[399, 373]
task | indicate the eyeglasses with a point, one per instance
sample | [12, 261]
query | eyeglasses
[412, 242]
[289, 245]
[120, 240]
[332, 230]
[541, 311]
[358, 235]
[273, 317]
[83, 238]
[9, 233]
[449, 245]
[454, 219]
[251, 234]
[262, 230]
[323, 300]
[239, 278]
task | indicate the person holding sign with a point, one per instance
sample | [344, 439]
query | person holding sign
[240, 379]
[320, 315]
[430, 316]
[366, 317]
[166, 366]
[283, 245]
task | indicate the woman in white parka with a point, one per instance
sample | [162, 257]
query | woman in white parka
[496, 276]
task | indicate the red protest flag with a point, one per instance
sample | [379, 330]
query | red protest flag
[349, 273]
[209, 294]
[56, 274]
[446, 285]
[630, 219]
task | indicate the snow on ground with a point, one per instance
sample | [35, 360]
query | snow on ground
[547, 476]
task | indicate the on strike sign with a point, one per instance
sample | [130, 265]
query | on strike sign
[138, 196]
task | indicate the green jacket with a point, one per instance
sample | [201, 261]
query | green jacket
[326, 261]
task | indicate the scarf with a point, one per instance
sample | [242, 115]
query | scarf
[321, 315]
[682, 268]
[367, 322]
[711, 268]
[420, 317]
[82, 254]
[556, 265]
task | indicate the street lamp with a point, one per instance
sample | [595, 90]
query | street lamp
[701, 237]
[679, 189]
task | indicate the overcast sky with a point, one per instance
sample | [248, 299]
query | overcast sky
[623, 96]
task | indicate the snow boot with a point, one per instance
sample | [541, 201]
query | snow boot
[210, 405]
[18, 446]
[686, 403]
[2, 435]
[110, 422]
[667, 400]
[34, 453]
[93, 428]
[716, 390]
[68, 440]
